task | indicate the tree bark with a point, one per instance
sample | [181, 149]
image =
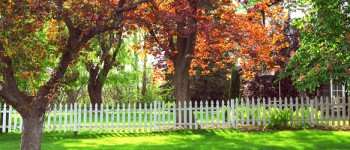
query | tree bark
[144, 77]
[234, 84]
[32, 132]
[95, 88]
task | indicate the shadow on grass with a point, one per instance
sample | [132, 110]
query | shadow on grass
[191, 139]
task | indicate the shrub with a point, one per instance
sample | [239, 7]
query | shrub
[279, 120]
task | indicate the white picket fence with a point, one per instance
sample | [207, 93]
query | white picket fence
[159, 116]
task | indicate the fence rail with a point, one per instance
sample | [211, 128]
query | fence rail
[158, 116]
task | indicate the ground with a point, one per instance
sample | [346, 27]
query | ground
[189, 139]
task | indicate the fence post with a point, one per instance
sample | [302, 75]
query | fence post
[65, 118]
[312, 113]
[253, 112]
[201, 114]
[195, 116]
[223, 114]
[212, 120]
[9, 119]
[247, 111]
[291, 111]
[140, 117]
[190, 114]
[206, 114]
[228, 114]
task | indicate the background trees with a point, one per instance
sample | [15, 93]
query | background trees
[324, 51]
[44, 35]
[192, 33]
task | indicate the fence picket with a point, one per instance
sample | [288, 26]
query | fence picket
[337, 101]
[217, 114]
[291, 111]
[312, 113]
[154, 116]
[75, 117]
[332, 105]
[308, 110]
[242, 113]
[297, 111]
[123, 117]
[228, 114]
[274, 105]
[159, 116]
[107, 118]
[4, 118]
[259, 109]
[150, 117]
[65, 118]
[322, 111]
[237, 112]
[185, 115]
[96, 117]
[129, 117]
[134, 118]
[79, 117]
[327, 111]
[163, 116]
[201, 114]
[118, 117]
[10, 118]
[169, 119]
[212, 119]
[302, 109]
[343, 111]
[140, 117]
[316, 111]
[101, 117]
[223, 125]
[179, 117]
[190, 114]
[195, 115]
[253, 110]
[269, 108]
[54, 117]
[247, 110]
[90, 117]
[206, 115]
[145, 118]
[60, 119]
[15, 121]
[264, 111]
[174, 116]
[112, 118]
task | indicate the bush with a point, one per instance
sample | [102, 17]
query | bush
[279, 120]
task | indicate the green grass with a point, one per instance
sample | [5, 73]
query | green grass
[189, 139]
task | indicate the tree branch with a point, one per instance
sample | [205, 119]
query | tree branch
[10, 86]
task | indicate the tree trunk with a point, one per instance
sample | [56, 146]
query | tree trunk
[234, 84]
[72, 96]
[144, 78]
[32, 132]
[181, 76]
[95, 93]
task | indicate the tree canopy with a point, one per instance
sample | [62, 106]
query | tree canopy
[325, 40]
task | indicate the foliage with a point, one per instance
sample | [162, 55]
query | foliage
[324, 53]
[279, 120]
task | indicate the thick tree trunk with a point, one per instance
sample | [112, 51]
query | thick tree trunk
[95, 93]
[32, 132]
[234, 84]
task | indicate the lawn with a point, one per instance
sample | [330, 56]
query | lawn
[189, 139]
